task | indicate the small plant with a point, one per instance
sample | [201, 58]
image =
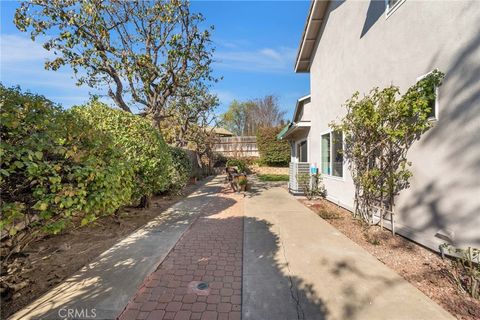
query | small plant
[465, 269]
[312, 185]
[372, 239]
[328, 214]
[242, 182]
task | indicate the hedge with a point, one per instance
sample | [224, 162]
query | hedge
[56, 168]
[182, 166]
[141, 145]
[273, 152]
[65, 168]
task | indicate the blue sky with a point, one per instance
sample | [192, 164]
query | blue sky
[256, 44]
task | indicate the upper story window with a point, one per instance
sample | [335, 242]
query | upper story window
[392, 5]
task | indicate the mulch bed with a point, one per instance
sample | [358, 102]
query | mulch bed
[53, 259]
[421, 267]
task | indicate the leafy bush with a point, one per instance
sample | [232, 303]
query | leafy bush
[242, 181]
[140, 144]
[56, 169]
[240, 164]
[312, 185]
[273, 152]
[219, 160]
[182, 166]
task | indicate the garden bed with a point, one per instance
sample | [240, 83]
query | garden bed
[419, 266]
[51, 260]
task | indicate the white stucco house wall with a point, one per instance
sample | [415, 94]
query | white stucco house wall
[350, 46]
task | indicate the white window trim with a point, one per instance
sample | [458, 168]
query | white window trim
[326, 175]
[389, 11]
[437, 103]
[297, 156]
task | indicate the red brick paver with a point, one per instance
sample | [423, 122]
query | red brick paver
[211, 252]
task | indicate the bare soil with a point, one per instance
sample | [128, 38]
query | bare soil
[51, 260]
[422, 267]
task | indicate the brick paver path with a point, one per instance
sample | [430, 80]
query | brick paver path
[210, 252]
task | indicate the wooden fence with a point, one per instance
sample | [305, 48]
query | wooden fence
[243, 146]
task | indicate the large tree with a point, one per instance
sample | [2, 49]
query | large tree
[245, 118]
[141, 50]
[193, 117]
[267, 112]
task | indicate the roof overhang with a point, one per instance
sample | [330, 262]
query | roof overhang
[310, 35]
[294, 128]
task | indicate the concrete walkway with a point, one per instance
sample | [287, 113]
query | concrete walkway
[210, 254]
[297, 266]
[263, 256]
[102, 289]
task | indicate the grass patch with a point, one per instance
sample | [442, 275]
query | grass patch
[273, 177]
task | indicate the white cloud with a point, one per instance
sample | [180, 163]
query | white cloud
[232, 44]
[269, 60]
[271, 53]
[15, 48]
[224, 96]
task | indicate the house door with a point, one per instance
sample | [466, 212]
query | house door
[302, 151]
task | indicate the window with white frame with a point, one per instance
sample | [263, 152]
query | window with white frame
[433, 102]
[392, 5]
[332, 154]
[302, 151]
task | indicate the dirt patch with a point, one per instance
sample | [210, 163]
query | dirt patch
[420, 266]
[51, 260]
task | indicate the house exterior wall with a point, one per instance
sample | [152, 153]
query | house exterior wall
[306, 113]
[361, 48]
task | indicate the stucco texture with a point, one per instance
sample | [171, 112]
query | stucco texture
[360, 48]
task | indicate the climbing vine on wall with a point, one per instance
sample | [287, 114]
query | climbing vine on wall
[379, 129]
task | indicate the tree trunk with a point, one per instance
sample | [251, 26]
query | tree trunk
[144, 202]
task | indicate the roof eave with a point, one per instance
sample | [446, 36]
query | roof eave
[310, 35]
[294, 128]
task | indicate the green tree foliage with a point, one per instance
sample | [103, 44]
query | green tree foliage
[272, 151]
[148, 51]
[62, 169]
[237, 118]
[379, 129]
[140, 144]
[183, 168]
[244, 118]
[56, 169]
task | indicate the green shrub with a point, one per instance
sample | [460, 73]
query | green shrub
[182, 166]
[56, 169]
[273, 152]
[312, 185]
[140, 144]
[219, 160]
[240, 164]
[242, 181]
